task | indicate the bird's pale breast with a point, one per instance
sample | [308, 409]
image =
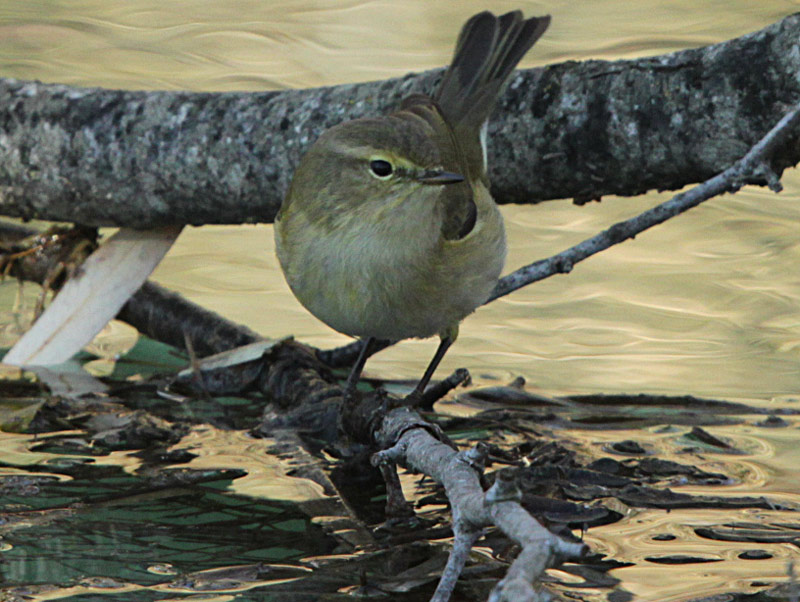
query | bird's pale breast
[392, 283]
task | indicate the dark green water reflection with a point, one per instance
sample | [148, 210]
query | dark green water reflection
[109, 524]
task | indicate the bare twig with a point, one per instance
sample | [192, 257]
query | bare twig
[503, 507]
[753, 168]
[465, 538]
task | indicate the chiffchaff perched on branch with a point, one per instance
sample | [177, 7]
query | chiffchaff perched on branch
[388, 230]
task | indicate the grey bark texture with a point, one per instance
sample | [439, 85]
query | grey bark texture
[580, 130]
[406, 439]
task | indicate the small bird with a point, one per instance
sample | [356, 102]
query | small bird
[388, 230]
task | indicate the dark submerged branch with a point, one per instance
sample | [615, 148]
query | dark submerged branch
[582, 130]
[165, 316]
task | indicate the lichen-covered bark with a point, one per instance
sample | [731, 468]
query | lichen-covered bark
[582, 130]
[625, 127]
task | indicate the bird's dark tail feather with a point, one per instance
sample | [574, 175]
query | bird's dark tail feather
[487, 51]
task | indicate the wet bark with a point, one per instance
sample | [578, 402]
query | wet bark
[165, 316]
[580, 130]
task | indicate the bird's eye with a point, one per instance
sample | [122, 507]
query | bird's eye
[380, 168]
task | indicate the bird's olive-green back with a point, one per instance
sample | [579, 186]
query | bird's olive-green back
[443, 133]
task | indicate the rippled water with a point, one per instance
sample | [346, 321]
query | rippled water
[707, 304]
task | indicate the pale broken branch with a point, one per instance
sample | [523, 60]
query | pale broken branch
[154, 311]
[753, 168]
[92, 297]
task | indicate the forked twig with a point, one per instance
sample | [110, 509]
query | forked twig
[409, 441]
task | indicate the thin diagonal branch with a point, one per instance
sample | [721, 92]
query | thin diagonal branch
[753, 168]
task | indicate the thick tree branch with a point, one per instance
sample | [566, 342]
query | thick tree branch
[582, 130]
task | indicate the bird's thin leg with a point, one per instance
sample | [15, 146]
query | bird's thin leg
[367, 349]
[416, 395]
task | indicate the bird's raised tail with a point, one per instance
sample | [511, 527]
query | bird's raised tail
[487, 51]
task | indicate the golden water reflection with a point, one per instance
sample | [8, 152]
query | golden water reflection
[632, 539]
[766, 467]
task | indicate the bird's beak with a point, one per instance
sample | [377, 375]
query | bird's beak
[440, 177]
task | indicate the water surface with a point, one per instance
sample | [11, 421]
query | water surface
[706, 304]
